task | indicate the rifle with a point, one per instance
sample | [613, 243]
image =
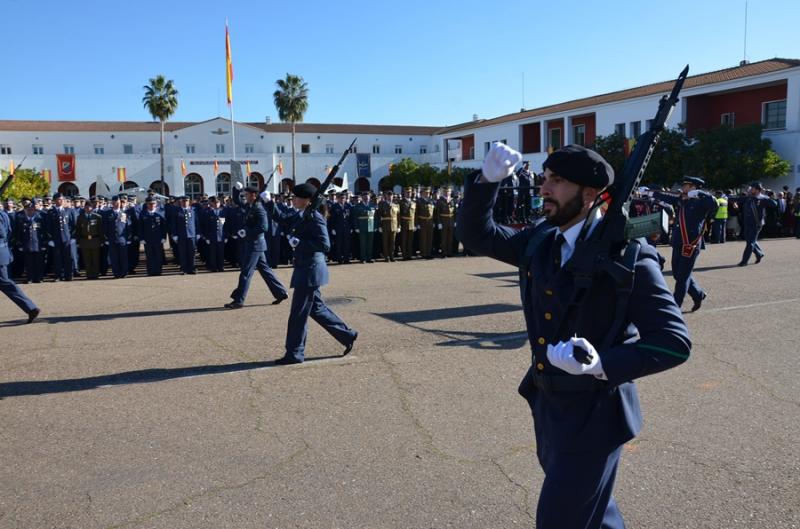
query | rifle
[266, 184]
[319, 196]
[10, 178]
[601, 254]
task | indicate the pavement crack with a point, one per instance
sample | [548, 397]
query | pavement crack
[526, 509]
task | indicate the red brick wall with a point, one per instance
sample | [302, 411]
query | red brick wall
[704, 112]
[589, 122]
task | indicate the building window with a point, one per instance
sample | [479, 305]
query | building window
[354, 150]
[99, 149]
[636, 129]
[486, 146]
[436, 147]
[619, 128]
[220, 148]
[471, 153]
[775, 115]
[127, 148]
[5, 149]
[193, 186]
[280, 149]
[190, 148]
[376, 149]
[305, 148]
[423, 149]
[648, 124]
[224, 184]
[38, 149]
[69, 149]
[155, 148]
[579, 134]
[555, 138]
[398, 149]
[727, 118]
[249, 148]
[329, 149]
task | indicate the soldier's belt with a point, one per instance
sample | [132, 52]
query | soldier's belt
[407, 218]
[365, 218]
[425, 218]
[558, 383]
[446, 215]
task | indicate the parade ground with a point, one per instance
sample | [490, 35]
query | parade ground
[141, 403]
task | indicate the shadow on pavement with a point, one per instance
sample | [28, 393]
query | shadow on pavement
[143, 376]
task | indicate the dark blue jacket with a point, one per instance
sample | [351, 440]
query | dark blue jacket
[29, 232]
[655, 339]
[60, 224]
[692, 212]
[310, 270]
[152, 227]
[341, 218]
[117, 227]
[5, 239]
[184, 223]
[213, 225]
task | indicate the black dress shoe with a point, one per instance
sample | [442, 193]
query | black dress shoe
[287, 361]
[278, 300]
[32, 315]
[233, 305]
[350, 346]
[743, 263]
[758, 259]
[699, 302]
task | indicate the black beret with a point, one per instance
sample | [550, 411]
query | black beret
[580, 165]
[699, 182]
[251, 189]
[304, 190]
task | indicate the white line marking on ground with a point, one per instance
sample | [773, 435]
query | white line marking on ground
[737, 307]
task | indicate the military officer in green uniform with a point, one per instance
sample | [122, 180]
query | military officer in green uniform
[408, 208]
[89, 234]
[389, 215]
[364, 213]
[445, 216]
[425, 208]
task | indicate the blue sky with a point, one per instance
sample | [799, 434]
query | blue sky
[410, 63]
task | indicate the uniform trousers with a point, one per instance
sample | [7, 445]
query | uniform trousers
[186, 250]
[34, 265]
[388, 236]
[62, 260]
[342, 246]
[426, 238]
[215, 253]
[134, 255]
[252, 261]
[751, 243]
[118, 255]
[306, 301]
[718, 230]
[154, 254]
[10, 289]
[407, 242]
[365, 245]
[91, 262]
[682, 274]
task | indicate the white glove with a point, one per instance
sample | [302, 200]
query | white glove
[51, 244]
[693, 193]
[499, 162]
[265, 196]
[398, 230]
[71, 241]
[380, 230]
[163, 241]
[105, 243]
[357, 230]
[560, 356]
[241, 233]
[198, 237]
[293, 241]
[226, 240]
[438, 226]
[416, 227]
[333, 232]
[175, 238]
[238, 185]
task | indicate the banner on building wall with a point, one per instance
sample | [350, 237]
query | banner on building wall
[363, 165]
[66, 167]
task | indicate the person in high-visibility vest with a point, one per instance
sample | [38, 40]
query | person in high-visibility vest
[719, 226]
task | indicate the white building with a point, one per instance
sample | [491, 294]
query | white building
[766, 92]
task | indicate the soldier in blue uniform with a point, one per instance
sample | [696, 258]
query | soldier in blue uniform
[132, 210]
[213, 229]
[310, 242]
[153, 233]
[61, 224]
[30, 237]
[118, 232]
[7, 286]
[342, 227]
[583, 413]
[693, 207]
[184, 234]
[753, 209]
[253, 233]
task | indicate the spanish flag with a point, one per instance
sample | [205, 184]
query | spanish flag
[280, 167]
[228, 65]
[247, 165]
[121, 175]
[183, 168]
[11, 167]
[216, 168]
[46, 175]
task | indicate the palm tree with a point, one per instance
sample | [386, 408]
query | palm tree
[291, 100]
[161, 100]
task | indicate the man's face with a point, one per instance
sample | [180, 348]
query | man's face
[562, 200]
[151, 206]
[250, 197]
[88, 207]
[754, 191]
[59, 202]
[686, 187]
[300, 203]
[185, 203]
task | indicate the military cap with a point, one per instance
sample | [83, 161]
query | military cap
[304, 190]
[699, 182]
[580, 165]
[341, 194]
[757, 185]
[149, 200]
[56, 196]
[115, 197]
[251, 189]
[184, 197]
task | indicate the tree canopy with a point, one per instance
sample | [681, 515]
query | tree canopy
[27, 183]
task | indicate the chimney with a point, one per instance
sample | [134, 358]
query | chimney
[474, 117]
[268, 120]
[744, 62]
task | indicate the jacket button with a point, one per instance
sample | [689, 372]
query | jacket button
[548, 316]
[540, 366]
[530, 274]
[541, 340]
[548, 292]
